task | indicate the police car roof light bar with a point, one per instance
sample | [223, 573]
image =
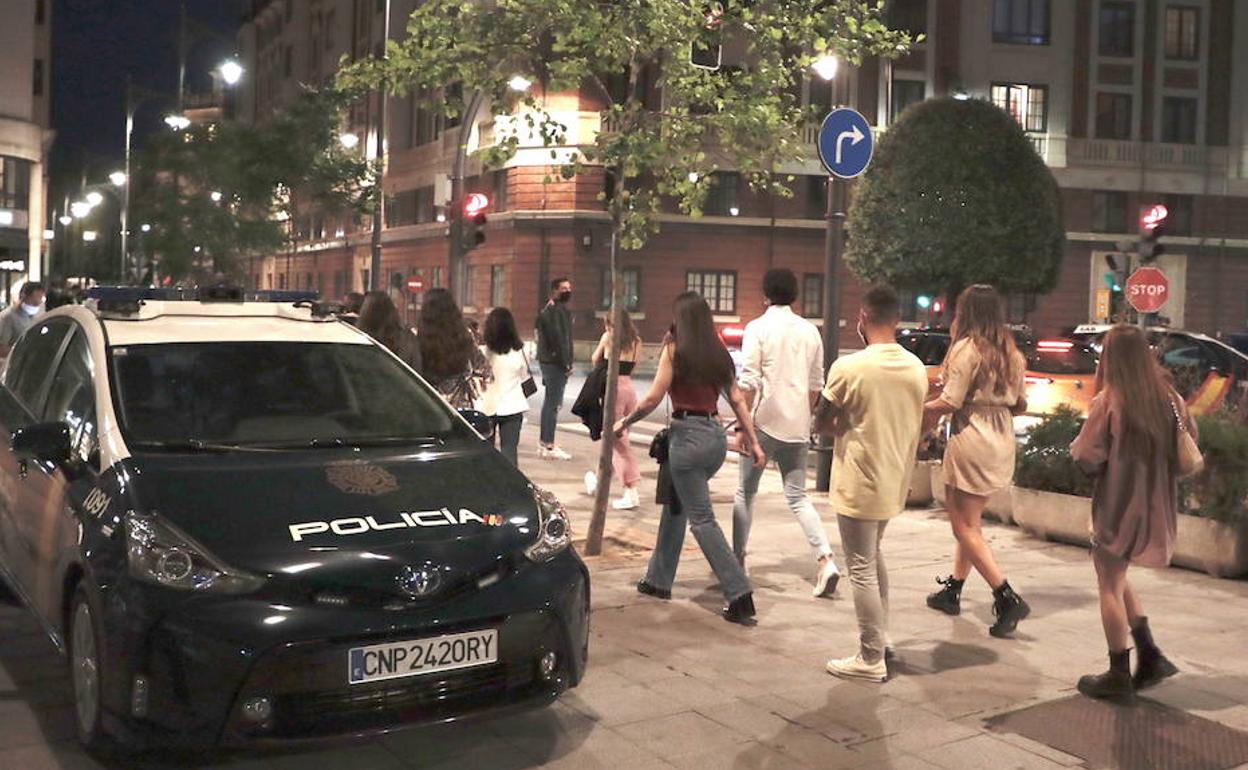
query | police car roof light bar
[132, 294]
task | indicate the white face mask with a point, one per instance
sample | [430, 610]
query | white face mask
[30, 309]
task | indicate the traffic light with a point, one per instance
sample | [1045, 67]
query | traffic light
[472, 221]
[1152, 227]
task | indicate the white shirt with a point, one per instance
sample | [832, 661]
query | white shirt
[504, 396]
[783, 355]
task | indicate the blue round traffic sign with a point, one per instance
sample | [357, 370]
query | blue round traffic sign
[845, 143]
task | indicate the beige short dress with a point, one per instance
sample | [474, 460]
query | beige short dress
[979, 459]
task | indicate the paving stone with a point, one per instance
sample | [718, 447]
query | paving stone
[681, 734]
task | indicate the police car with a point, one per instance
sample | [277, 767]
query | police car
[246, 521]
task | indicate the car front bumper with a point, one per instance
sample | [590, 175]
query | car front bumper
[192, 671]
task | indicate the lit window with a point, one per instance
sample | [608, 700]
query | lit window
[1027, 104]
[1182, 32]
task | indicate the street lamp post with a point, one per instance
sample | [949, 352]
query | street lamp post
[379, 191]
[833, 245]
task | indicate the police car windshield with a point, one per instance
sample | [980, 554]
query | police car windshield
[289, 394]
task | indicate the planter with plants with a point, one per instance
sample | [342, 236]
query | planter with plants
[1214, 536]
[1052, 498]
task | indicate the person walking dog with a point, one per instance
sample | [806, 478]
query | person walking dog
[1132, 442]
[694, 369]
[983, 390]
[781, 379]
[873, 406]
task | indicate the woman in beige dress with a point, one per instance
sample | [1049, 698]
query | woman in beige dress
[1129, 444]
[983, 390]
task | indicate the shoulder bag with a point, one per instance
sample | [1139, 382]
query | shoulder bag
[529, 386]
[1188, 459]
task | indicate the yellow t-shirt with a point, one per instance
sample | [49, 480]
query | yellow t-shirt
[879, 393]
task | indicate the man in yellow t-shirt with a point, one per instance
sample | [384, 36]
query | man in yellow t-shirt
[872, 404]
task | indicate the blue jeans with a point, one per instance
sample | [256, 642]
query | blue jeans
[791, 457]
[507, 435]
[554, 379]
[696, 453]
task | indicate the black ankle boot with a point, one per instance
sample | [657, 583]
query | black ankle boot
[1114, 684]
[659, 593]
[740, 610]
[949, 598]
[1151, 666]
[1009, 608]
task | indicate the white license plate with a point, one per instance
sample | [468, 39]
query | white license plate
[395, 660]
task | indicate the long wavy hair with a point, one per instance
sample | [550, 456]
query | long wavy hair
[500, 334]
[698, 354]
[980, 318]
[445, 342]
[379, 319]
[629, 338]
[1130, 373]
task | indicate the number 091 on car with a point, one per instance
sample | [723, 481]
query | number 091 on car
[397, 660]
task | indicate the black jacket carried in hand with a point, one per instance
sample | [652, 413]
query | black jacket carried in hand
[554, 335]
[588, 404]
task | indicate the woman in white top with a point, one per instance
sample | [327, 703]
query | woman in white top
[504, 398]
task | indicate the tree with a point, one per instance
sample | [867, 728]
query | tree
[745, 115]
[219, 192]
[955, 195]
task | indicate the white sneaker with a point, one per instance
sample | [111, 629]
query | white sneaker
[856, 668]
[826, 580]
[591, 483]
[558, 454]
[627, 501]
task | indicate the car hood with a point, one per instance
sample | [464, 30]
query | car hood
[330, 514]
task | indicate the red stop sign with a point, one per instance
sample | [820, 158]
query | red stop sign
[415, 284]
[1148, 289]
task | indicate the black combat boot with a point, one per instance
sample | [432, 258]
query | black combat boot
[1151, 666]
[740, 610]
[1009, 608]
[948, 599]
[1114, 684]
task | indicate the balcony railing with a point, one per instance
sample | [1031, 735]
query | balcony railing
[1128, 154]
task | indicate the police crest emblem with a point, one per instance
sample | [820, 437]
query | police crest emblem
[356, 477]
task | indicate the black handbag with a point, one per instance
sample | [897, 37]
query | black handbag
[529, 386]
[659, 446]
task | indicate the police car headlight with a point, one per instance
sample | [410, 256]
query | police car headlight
[555, 533]
[160, 554]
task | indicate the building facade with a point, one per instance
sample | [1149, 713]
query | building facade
[1130, 102]
[25, 137]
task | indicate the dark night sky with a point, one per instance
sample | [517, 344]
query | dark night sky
[96, 42]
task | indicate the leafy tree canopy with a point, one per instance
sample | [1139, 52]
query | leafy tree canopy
[955, 195]
[219, 192]
[745, 115]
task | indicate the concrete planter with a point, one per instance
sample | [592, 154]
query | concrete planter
[1000, 505]
[920, 494]
[1053, 516]
[1211, 546]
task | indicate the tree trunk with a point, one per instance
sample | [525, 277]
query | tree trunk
[598, 520]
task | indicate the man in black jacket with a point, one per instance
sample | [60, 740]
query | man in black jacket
[554, 355]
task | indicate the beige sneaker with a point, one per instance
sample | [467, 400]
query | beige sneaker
[826, 580]
[856, 668]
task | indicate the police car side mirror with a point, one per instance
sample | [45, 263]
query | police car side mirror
[480, 421]
[42, 442]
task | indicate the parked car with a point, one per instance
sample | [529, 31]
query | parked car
[931, 345]
[247, 522]
[1205, 371]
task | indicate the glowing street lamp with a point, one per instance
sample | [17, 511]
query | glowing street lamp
[215, 195]
[95, 198]
[826, 66]
[177, 122]
[231, 72]
[89, 235]
[79, 210]
[145, 227]
[118, 178]
[65, 219]
[349, 140]
[519, 83]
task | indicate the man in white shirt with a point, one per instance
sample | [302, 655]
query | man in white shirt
[781, 377]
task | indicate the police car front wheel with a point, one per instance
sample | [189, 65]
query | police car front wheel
[85, 671]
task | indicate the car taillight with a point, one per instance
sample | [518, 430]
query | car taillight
[732, 335]
[1059, 346]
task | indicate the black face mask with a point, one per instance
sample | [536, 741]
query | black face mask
[564, 296]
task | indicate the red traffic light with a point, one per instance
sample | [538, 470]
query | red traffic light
[476, 203]
[1152, 217]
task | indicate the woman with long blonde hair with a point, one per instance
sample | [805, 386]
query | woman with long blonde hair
[1129, 443]
[624, 465]
[983, 390]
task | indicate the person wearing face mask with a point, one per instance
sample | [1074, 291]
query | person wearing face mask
[17, 318]
[554, 356]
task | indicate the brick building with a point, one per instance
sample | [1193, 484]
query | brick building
[1129, 102]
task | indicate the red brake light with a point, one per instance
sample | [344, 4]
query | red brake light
[732, 335]
[1055, 345]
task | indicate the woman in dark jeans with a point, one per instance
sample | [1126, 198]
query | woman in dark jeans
[504, 400]
[694, 369]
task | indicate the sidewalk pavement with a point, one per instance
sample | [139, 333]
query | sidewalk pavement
[670, 684]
